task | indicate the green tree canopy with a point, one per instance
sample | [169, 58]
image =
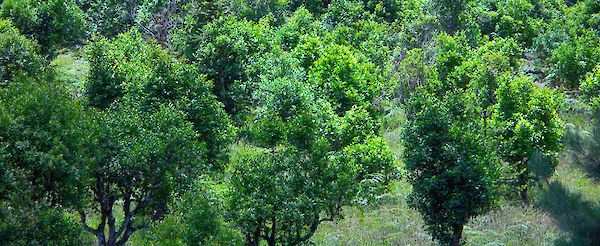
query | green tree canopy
[44, 163]
[52, 23]
[19, 55]
[452, 169]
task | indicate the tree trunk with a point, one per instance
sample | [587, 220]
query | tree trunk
[254, 238]
[524, 197]
[273, 230]
[522, 179]
[457, 234]
[128, 232]
[101, 240]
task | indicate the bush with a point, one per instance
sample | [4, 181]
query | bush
[507, 19]
[198, 218]
[345, 77]
[39, 225]
[574, 59]
[590, 88]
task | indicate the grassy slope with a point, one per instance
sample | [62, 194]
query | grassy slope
[566, 212]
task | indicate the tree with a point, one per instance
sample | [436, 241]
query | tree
[110, 17]
[52, 23]
[448, 11]
[520, 117]
[515, 19]
[142, 159]
[221, 49]
[43, 132]
[314, 6]
[526, 122]
[158, 127]
[129, 67]
[293, 171]
[19, 55]
[452, 169]
[575, 58]
[43, 163]
[345, 77]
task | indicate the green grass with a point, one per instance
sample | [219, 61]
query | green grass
[395, 223]
[72, 69]
[390, 223]
[564, 212]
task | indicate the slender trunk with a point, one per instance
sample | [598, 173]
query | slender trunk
[128, 232]
[273, 231]
[101, 237]
[112, 237]
[254, 238]
[101, 240]
[524, 197]
[457, 231]
[522, 179]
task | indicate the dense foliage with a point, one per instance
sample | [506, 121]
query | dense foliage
[20, 55]
[43, 134]
[230, 122]
[53, 23]
[453, 172]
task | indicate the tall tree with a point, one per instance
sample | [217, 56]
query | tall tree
[159, 126]
[452, 169]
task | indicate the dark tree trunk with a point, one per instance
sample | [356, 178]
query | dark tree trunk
[522, 179]
[101, 240]
[524, 197]
[273, 231]
[457, 234]
[253, 239]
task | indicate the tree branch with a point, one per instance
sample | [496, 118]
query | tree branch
[127, 214]
[84, 224]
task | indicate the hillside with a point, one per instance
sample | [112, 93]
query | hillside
[299, 122]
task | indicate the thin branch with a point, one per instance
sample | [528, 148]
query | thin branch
[84, 224]
[127, 214]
